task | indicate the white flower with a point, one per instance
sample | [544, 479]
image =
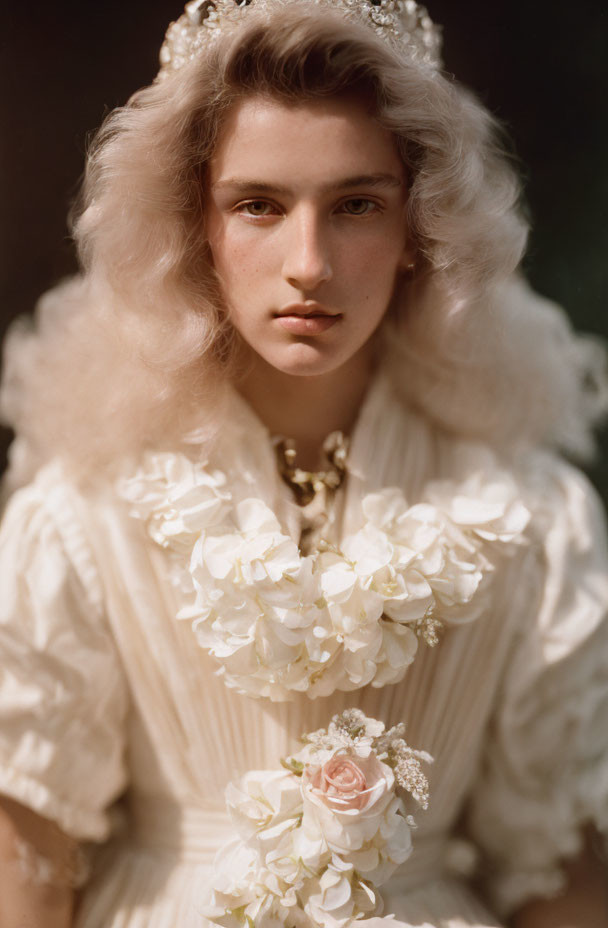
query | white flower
[243, 887]
[344, 617]
[263, 800]
[179, 497]
[257, 602]
[491, 509]
[339, 898]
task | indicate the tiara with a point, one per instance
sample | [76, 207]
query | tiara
[404, 24]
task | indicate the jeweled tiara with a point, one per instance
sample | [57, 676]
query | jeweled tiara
[402, 23]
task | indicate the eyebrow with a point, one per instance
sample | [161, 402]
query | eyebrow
[357, 180]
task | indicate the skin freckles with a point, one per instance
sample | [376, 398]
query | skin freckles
[306, 207]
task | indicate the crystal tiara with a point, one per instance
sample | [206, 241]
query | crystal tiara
[402, 23]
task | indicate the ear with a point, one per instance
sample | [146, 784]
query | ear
[407, 262]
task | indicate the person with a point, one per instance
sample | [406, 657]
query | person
[291, 447]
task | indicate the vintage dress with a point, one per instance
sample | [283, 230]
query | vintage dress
[103, 692]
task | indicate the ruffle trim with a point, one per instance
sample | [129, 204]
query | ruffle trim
[546, 827]
[515, 887]
[81, 824]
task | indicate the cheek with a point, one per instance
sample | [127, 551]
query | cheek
[373, 260]
[369, 275]
[243, 260]
[236, 253]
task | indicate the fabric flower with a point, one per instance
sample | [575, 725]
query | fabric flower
[345, 616]
[345, 800]
[178, 497]
[492, 508]
[350, 809]
[343, 781]
[339, 897]
[263, 800]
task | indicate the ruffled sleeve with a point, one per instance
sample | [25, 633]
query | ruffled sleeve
[545, 769]
[62, 691]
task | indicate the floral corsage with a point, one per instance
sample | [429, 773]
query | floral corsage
[317, 838]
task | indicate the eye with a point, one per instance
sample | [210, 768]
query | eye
[256, 208]
[359, 206]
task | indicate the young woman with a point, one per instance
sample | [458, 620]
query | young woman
[290, 449]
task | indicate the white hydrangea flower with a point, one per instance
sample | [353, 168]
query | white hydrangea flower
[491, 508]
[339, 898]
[178, 497]
[343, 617]
[264, 800]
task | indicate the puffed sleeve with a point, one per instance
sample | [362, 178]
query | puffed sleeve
[62, 691]
[545, 769]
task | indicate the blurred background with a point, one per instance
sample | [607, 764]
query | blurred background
[541, 67]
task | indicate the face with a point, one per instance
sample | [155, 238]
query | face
[306, 224]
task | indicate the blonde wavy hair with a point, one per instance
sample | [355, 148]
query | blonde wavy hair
[136, 349]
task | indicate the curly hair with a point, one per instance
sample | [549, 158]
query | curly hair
[136, 349]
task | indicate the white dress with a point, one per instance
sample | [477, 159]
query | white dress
[104, 693]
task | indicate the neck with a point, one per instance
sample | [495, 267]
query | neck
[307, 408]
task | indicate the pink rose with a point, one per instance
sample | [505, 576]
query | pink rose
[347, 802]
[342, 779]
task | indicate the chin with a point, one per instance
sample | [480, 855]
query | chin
[306, 360]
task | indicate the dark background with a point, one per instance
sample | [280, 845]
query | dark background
[541, 67]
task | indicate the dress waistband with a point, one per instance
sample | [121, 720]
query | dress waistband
[195, 834]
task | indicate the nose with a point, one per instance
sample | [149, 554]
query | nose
[306, 262]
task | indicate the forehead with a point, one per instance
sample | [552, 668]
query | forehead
[284, 141]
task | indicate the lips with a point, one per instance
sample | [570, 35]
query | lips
[306, 318]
